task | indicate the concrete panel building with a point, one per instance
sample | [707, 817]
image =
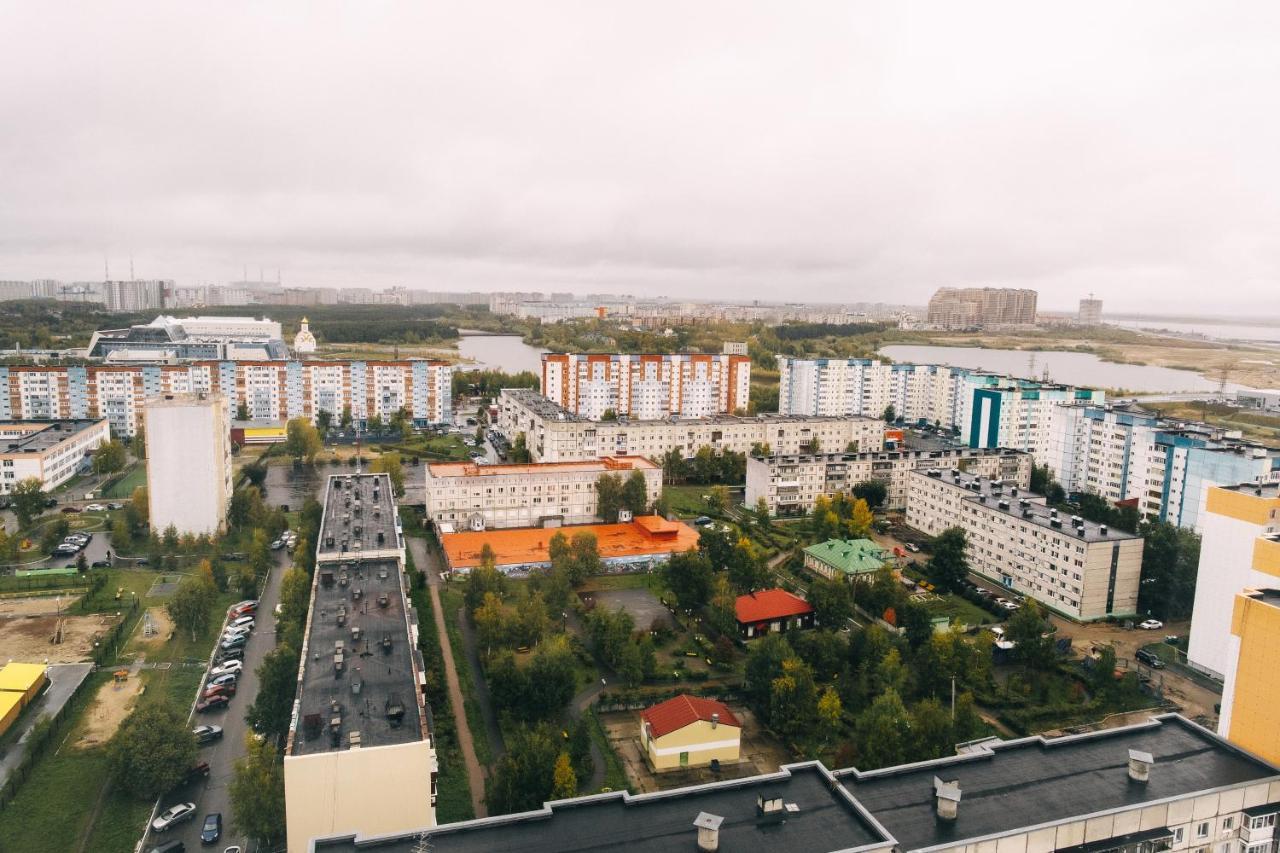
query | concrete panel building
[360, 756]
[1075, 567]
[790, 484]
[52, 452]
[188, 463]
[689, 731]
[1237, 552]
[1250, 716]
[647, 387]
[541, 494]
[1090, 313]
[554, 434]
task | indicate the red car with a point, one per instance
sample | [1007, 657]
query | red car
[227, 690]
[213, 703]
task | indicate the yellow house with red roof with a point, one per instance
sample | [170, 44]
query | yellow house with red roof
[689, 731]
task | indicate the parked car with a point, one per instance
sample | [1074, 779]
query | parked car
[223, 679]
[277, 544]
[213, 703]
[174, 846]
[207, 734]
[235, 631]
[101, 564]
[230, 667]
[247, 604]
[229, 643]
[913, 548]
[70, 510]
[65, 550]
[701, 521]
[212, 829]
[243, 622]
[233, 654]
[1151, 625]
[1149, 659]
[79, 538]
[96, 508]
[195, 774]
[173, 816]
[227, 690]
[115, 506]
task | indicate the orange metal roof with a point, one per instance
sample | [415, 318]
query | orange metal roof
[680, 711]
[531, 544]
[769, 604]
[603, 465]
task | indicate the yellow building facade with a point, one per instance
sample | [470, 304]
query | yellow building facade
[1250, 716]
[689, 731]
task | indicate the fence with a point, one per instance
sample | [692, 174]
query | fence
[45, 734]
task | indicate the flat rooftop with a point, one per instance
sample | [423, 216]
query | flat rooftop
[1024, 505]
[39, 436]
[358, 509]
[648, 534]
[1262, 490]
[1005, 788]
[358, 611]
[550, 410]
[940, 452]
[604, 465]
[1034, 781]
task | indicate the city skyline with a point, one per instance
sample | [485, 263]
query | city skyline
[729, 152]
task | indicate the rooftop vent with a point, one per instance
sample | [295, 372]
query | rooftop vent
[1140, 766]
[1102, 528]
[715, 719]
[708, 831]
[1003, 504]
[947, 798]
[769, 808]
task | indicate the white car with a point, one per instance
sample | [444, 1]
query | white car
[173, 816]
[229, 667]
[277, 544]
[96, 508]
[1151, 625]
[246, 622]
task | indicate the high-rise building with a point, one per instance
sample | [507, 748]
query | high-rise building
[1090, 313]
[982, 307]
[1250, 717]
[1237, 552]
[188, 463]
[647, 387]
[136, 295]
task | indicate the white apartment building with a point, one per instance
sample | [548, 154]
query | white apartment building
[553, 434]
[543, 494]
[1165, 467]
[791, 484]
[1237, 552]
[188, 463]
[647, 387]
[1077, 568]
[51, 452]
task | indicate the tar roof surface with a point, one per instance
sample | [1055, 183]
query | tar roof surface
[1030, 782]
[48, 435]
[657, 823]
[382, 675]
[357, 508]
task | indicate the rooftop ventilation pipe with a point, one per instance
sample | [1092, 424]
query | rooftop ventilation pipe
[947, 797]
[708, 831]
[1140, 766]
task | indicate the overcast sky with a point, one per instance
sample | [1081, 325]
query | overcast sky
[806, 150]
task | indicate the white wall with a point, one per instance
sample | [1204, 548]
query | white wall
[188, 464]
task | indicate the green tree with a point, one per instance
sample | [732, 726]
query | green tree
[874, 492]
[257, 791]
[608, 497]
[324, 420]
[524, 777]
[344, 420]
[277, 684]
[883, 733]
[493, 622]
[793, 700]
[564, 782]
[152, 750]
[931, 729]
[138, 443]
[832, 602]
[519, 452]
[54, 532]
[109, 457]
[1170, 560]
[302, 440]
[483, 580]
[890, 414]
[948, 567]
[585, 556]
[27, 498]
[764, 664]
[830, 711]
[190, 606]
[389, 464]
[242, 411]
[139, 506]
[688, 575]
[635, 494]
[1033, 647]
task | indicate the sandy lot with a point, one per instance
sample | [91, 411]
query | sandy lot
[11, 607]
[163, 629]
[112, 704]
[28, 637]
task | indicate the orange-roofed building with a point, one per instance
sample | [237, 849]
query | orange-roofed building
[689, 731]
[637, 545]
[772, 611]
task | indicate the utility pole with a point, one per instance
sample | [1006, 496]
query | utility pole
[953, 698]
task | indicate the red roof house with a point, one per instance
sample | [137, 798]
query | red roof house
[772, 611]
[680, 711]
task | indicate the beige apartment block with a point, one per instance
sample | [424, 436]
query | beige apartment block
[189, 478]
[1075, 567]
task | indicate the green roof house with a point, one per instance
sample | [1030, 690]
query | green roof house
[847, 559]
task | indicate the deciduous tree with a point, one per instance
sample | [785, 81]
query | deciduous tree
[257, 791]
[27, 498]
[152, 750]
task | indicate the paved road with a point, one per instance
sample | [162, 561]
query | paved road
[211, 795]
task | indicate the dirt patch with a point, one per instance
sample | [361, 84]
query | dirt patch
[644, 606]
[43, 606]
[161, 627]
[113, 703]
[31, 637]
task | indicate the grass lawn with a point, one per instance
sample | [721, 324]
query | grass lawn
[687, 501]
[615, 777]
[954, 607]
[123, 488]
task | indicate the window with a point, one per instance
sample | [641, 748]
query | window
[1177, 835]
[1229, 822]
[1262, 821]
[1202, 830]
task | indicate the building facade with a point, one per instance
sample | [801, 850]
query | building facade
[849, 560]
[1237, 552]
[1090, 313]
[268, 390]
[689, 731]
[790, 484]
[554, 434]
[191, 339]
[647, 387]
[1164, 467]
[982, 307]
[476, 497]
[1077, 568]
[1249, 716]
[51, 452]
[189, 478]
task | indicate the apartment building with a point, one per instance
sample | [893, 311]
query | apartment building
[189, 478]
[269, 390]
[554, 434]
[996, 411]
[647, 387]
[51, 452]
[1090, 313]
[982, 307]
[1249, 717]
[1165, 467]
[1237, 552]
[476, 497]
[790, 484]
[1075, 567]
[1165, 784]
[360, 755]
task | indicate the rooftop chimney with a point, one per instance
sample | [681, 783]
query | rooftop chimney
[1140, 766]
[708, 831]
[947, 797]
[715, 719]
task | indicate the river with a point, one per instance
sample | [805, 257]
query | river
[508, 353]
[1072, 368]
[1213, 331]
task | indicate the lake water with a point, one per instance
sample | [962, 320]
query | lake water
[1072, 368]
[1217, 331]
[508, 353]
